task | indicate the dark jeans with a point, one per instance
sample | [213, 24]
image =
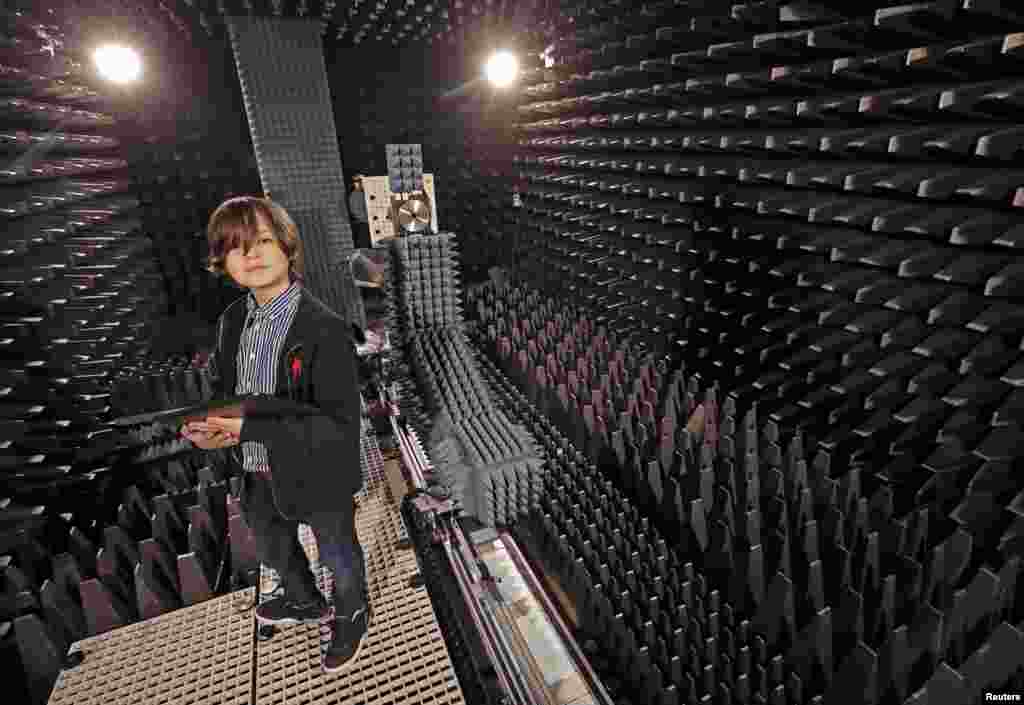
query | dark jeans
[277, 545]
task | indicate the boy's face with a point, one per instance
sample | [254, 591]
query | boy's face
[265, 266]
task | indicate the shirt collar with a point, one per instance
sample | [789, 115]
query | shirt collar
[275, 306]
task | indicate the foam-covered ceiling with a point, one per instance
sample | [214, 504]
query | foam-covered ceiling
[347, 23]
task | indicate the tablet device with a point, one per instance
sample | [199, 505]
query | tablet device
[232, 407]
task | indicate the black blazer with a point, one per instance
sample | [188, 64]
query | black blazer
[315, 460]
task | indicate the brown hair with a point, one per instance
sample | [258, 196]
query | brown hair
[234, 224]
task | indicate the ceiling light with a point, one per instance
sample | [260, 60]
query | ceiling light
[119, 64]
[502, 68]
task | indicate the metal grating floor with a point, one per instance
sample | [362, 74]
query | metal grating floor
[199, 654]
[210, 653]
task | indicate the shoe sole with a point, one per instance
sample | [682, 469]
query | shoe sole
[290, 621]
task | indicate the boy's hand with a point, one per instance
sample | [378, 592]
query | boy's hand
[207, 437]
[230, 426]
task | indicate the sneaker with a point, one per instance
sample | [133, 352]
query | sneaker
[347, 643]
[284, 611]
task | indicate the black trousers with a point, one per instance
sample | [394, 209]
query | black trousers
[277, 545]
[361, 234]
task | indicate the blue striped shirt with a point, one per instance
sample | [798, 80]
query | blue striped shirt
[259, 351]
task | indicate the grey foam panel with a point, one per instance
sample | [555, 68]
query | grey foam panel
[424, 277]
[287, 100]
[489, 463]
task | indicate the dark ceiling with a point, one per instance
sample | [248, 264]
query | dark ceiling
[348, 23]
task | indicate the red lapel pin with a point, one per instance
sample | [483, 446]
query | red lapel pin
[296, 367]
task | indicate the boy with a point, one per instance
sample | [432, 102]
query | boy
[281, 340]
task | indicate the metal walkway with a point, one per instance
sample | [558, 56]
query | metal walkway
[211, 652]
